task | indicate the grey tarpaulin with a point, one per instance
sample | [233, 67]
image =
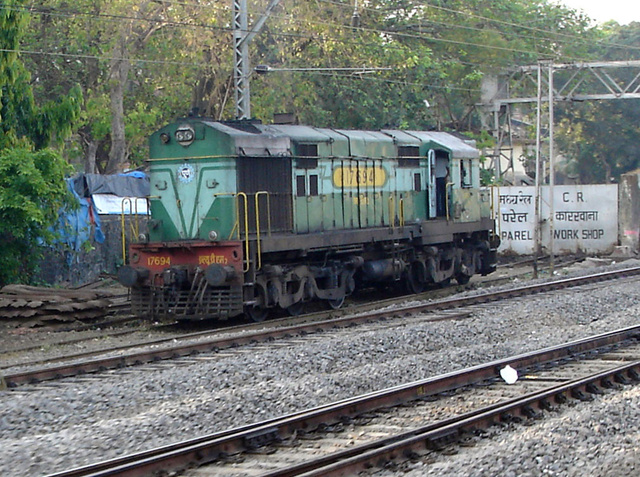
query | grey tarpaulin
[132, 184]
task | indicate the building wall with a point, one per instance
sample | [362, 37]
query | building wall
[94, 260]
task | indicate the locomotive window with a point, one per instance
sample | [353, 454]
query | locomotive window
[308, 150]
[313, 185]
[465, 173]
[417, 182]
[301, 189]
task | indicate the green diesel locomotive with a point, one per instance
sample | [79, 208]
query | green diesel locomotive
[246, 217]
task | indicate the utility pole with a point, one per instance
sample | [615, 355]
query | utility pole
[242, 36]
[241, 66]
[538, 179]
[552, 172]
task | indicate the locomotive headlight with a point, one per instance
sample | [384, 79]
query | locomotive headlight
[164, 137]
[185, 135]
[143, 238]
[213, 235]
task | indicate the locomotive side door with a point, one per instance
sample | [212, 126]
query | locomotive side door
[309, 201]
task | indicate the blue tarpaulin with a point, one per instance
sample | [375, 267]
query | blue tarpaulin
[74, 226]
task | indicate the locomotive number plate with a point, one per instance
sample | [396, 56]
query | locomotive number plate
[354, 177]
[158, 261]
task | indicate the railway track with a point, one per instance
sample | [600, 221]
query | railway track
[118, 325]
[202, 342]
[403, 422]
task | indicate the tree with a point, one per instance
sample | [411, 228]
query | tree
[600, 138]
[32, 187]
[140, 63]
[32, 190]
[436, 53]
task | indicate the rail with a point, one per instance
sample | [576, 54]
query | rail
[243, 199]
[392, 212]
[93, 364]
[205, 449]
[495, 192]
[448, 187]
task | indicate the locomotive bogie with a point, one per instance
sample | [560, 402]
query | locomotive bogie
[253, 218]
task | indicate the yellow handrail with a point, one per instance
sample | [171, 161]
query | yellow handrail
[236, 224]
[259, 193]
[246, 229]
[135, 225]
[258, 241]
[495, 215]
[392, 212]
[124, 235]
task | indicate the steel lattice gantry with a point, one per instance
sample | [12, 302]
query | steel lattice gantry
[604, 80]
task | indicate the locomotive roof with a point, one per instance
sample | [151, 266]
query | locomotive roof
[306, 133]
[253, 138]
[458, 148]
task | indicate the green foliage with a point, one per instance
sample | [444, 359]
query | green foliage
[437, 54]
[600, 138]
[32, 187]
[32, 190]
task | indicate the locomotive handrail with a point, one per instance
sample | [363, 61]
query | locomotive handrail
[246, 228]
[401, 212]
[259, 193]
[135, 226]
[258, 241]
[392, 211]
[494, 215]
[447, 198]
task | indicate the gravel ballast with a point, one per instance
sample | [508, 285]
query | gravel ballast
[80, 421]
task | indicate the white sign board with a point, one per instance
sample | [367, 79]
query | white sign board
[585, 218]
[113, 204]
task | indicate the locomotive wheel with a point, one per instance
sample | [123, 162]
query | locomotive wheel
[415, 278]
[257, 313]
[296, 309]
[336, 304]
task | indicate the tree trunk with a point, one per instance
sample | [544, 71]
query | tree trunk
[117, 80]
[90, 158]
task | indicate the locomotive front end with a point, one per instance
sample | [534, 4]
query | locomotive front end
[189, 264]
[173, 280]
